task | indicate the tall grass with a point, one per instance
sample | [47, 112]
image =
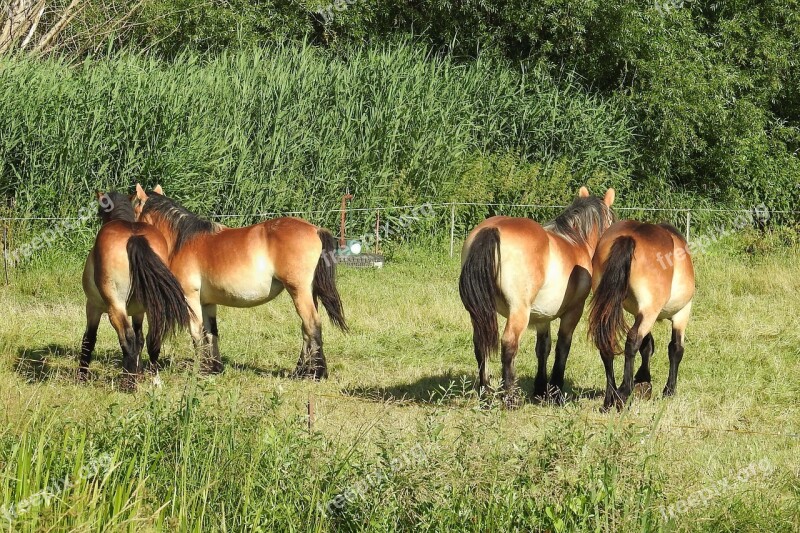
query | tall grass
[292, 128]
[199, 462]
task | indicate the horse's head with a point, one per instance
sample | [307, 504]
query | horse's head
[585, 219]
[139, 198]
[113, 206]
[608, 200]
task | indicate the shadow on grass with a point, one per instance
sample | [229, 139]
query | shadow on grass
[37, 365]
[429, 390]
[259, 371]
[451, 388]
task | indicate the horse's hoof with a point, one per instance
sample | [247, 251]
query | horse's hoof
[512, 401]
[82, 375]
[643, 390]
[668, 391]
[127, 383]
[554, 396]
[212, 368]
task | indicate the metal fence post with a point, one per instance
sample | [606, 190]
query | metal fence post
[452, 227]
[688, 223]
[5, 252]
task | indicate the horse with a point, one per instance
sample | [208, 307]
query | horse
[531, 274]
[646, 270]
[125, 274]
[245, 267]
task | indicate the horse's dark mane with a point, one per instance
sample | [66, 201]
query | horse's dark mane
[578, 220]
[183, 222]
[120, 208]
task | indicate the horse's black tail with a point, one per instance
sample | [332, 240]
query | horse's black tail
[324, 284]
[154, 286]
[607, 318]
[478, 288]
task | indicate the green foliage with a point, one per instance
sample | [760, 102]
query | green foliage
[709, 87]
[292, 128]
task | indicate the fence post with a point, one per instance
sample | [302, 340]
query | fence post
[452, 227]
[688, 223]
[377, 231]
[5, 255]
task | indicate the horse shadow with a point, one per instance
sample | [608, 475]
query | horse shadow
[428, 390]
[450, 388]
[258, 370]
[51, 361]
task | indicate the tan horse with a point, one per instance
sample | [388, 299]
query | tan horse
[126, 275]
[245, 267]
[532, 275]
[645, 269]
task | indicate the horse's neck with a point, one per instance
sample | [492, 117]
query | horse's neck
[591, 241]
[169, 235]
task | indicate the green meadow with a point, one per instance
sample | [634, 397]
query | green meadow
[397, 439]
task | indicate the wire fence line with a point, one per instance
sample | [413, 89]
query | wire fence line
[439, 205]
[372, 225]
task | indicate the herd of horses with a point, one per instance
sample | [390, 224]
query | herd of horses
[154, 258]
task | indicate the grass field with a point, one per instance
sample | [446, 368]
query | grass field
[398, 434]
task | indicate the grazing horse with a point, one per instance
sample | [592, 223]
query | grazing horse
[126, 275]
[531, 274]
[245, 267]
[646, 270]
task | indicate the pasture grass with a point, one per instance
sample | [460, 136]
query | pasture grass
[398, 431]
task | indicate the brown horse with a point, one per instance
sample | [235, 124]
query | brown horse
[645, 269]
[126, 275]
[531, 274]
[245, 267]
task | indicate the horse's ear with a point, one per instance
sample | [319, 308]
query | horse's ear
[583, 192]
[158, 190]
[609, 197]
[140, 194]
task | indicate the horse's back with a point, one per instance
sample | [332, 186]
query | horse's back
[107, 277]
[537, 270]
[244, 267]
[661, 273]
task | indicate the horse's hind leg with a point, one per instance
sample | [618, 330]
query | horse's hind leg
[640, 329]
[566, 328]
[641, 380]
[203, 347]
[138, 321]
[543, 345]
[679, 322]
[127, 341]
[212, 336]
[153, 344]
[646, 351]
[611, 381]
[93, 316]
[516, 325]
[311, 362]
